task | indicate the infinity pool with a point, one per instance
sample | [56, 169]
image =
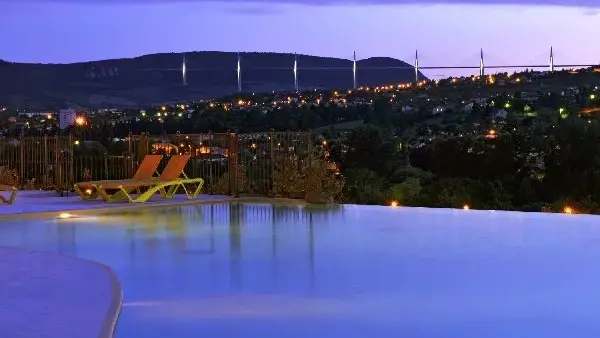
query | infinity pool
[260, 270]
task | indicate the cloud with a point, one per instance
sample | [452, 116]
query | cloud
[255, 9]
[591, 11]
[566, 3]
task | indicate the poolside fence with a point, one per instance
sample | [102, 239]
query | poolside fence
[230, 163]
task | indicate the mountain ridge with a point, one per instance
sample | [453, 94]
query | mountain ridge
[156, 78]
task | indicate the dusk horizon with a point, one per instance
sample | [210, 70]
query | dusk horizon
[444, 33]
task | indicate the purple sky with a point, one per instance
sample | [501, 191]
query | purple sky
[445, 32]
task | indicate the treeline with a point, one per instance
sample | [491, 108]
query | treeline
[547, 171]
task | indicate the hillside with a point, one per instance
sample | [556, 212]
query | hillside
[156, 78]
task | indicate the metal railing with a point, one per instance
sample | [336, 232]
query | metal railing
[230, 163]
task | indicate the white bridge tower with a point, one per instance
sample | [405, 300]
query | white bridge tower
[183, 71]
[551, 60]
[416, 66]
[481, 64]
[239, 73]
[354, 72]
[296, 72]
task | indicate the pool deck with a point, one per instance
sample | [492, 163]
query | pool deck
[44, 294]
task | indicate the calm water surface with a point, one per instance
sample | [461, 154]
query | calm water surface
[258, 270]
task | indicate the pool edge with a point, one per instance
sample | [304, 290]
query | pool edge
[116, 304]
[96, 210]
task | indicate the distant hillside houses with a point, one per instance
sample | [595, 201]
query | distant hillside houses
[438, 110]
[530, 97]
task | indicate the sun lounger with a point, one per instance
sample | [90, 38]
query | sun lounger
[145, 172]
[167, 184]
[11, 197]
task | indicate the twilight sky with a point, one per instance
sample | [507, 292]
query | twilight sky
[445, 32]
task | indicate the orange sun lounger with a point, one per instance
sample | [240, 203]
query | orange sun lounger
[167, 184]
[145, 172]
[11, 197]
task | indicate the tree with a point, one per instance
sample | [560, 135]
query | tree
[371, 148]
[525, 193]
[364, 186]
[407, 192]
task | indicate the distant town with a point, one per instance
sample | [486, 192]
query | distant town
[524, 94]
[510, 141]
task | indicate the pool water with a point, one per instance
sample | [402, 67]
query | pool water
[263, 270]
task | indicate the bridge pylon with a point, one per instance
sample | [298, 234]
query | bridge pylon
[296, 72]
[481, 64]
[416, 66]
[183, 71]
[239, 72]
[551, 60]
[354, 71]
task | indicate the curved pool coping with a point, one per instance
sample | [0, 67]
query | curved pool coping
[116, 303]
[110, 321]
[18, 279]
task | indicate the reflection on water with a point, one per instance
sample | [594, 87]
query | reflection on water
[182, 234]
[258, 270]
[192, 262]
[264, 306]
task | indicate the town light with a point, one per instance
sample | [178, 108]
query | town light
[394, 204]
[466, 207]
[593, 96]
[80, 121]
[568, 210]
